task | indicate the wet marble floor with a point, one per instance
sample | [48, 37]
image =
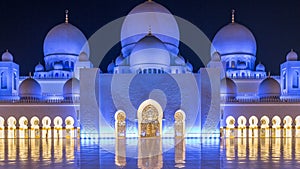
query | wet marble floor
[235, 153]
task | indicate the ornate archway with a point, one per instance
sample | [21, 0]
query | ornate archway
[150, 119]
[179, 124]
[120, 124]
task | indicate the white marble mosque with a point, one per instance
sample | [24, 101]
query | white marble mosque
[150, 90]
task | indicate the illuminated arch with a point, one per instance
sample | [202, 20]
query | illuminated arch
[230, 121]
[264, 122]
[149, 115]
[179, 124]
[2, 127]
[46, 131]
[35, 128]
[57, 121]
[287, 124]
[69, 121]
[242, 121]
[120, 124]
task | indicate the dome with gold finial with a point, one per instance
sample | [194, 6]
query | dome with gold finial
[64, 41]
[292, 56]
[234, 39]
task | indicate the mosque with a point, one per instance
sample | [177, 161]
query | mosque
[150, 90]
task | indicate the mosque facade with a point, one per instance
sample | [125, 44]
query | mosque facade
[150, 89]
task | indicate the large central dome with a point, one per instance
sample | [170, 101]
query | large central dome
[65, 39]
[233, 39]
[149, 15]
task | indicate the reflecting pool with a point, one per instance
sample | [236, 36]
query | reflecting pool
[150, 153]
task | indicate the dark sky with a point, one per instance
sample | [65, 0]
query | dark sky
[24, 24]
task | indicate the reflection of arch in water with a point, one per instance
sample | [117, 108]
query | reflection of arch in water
[46, 130]
[11, 124]
[57, 127]
[230, 122]
[23, 129]
[35, 128]
[297, 126]
[150, 152]
[242, 121]
[2, 127]
[179, 124]
[69, 121]
[287, 125]
[264, 126]
[150, 119]
[120, 124]
[276, 131]
[253, 128]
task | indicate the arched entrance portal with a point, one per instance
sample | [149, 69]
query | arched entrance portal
[150, 119]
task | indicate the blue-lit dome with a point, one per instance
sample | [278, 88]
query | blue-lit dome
[39, 68]
[150, 51]
[180, 60]
[120, 60]
[58, 66]
[216, 57]
[292, 56]
[7, 56]
[189, 66]
[30, 88]
[228, 87]
[65, 39]
[71, 87]
[234, 38]
[269, 88]
[260, 67]
[110, 67]
[149, 15]
[83, 57]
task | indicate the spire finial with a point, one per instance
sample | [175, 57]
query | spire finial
[150, 30]
[232, 15]
[149, 0]
[29, 74]
[292, 50]
[67, 16]
[269, 74]
[6, 50]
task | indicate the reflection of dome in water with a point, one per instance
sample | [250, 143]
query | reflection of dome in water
[150, 50]
[149, 14]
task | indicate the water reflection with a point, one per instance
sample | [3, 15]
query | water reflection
[150, 153]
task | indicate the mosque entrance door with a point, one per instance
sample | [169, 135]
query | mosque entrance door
[150, 119]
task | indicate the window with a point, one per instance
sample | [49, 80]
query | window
[295, 79]
[3, 80]
[284, 80]
[15, 81]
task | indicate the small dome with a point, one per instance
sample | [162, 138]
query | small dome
[292, 56]
[180, 60]
[136, 26]
[7, 56]
[30, 88]
[269, 88]
[65, 39]
[228, 87]
[120, 60]
[216, 57]
[111, 67]
[39, 68]
[83, 57]
[234, 38]
[71, 87]
[150, 50]
[189, 66]
[260, 67]
[58, 66]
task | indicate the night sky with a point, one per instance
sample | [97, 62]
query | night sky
[275, 24]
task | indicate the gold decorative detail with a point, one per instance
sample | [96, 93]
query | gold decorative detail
[232, 15]
[67, 16]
